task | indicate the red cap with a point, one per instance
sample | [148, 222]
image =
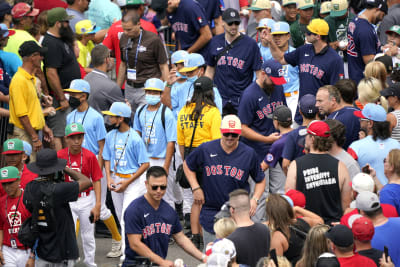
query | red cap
[297, 197]
[363, 229]
[318, 128]
[23, 10]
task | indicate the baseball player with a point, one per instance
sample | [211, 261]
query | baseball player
[263, 43]
[13, 214]
[234, 70]
[95, 134]
[125, 159]
[175, 78]
[88, 204]
[156, 124]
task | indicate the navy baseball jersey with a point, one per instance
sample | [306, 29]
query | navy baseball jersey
[186, 22]
[294, 145]
[222, 173]
[351, 122]
[212, 10]
[363, 41]
[274, 154]
[315, 70]
[234, 71]
[255, 105]
[155, 226]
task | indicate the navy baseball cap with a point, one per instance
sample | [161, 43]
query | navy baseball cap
[274, 70]
[5, 8]
[381, 4]
[393, 90]
[231, 15]
[340, 235]
[307, 104]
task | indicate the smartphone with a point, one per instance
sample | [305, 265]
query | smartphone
[272, 255]
[365, 169]
[91, 218]
[386, 252]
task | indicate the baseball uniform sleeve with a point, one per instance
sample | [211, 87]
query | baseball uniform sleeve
[337, 71]
[246, 110]
[367, 43]
[141, 152]
[292, 58]
[212, 52]
[177, 227]
[133, 220]
[256, 172]
[106, 150]
[198, 18]
[271, 158]
[136, 121]
[170, 126]
[195, 158]
[96, 174]
[289, 148]
[257, 59]
[100, 128]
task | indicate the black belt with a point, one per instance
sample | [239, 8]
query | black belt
[134, 85]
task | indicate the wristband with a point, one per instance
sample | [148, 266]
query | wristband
[168, 85]
[203, 256]
[197, 188]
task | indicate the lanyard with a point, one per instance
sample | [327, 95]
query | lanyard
[69, 161]
[187, 97]
[123, 150]
[152, 124]
[15, 213]
[137, 50]
[84, 116]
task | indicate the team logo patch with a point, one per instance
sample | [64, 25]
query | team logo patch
[231, 124]
[10, 145]
[277, 26]
[396, 27]
[199, 19]
[232, 14]
[336, 6]
[4, 173]
[268, 70]
[352, 27]
[281, 72]
[270, 157]
[74, 127]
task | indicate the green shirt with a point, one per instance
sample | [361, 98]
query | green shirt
[297, 32]
[283, 18]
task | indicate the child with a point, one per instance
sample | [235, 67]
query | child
[85, 31]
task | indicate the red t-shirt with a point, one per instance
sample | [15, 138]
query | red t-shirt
[21, 214]
[27, 176]
[387, 210]
[114, 34]
[89, 166]
[355, 261]
[44, 5]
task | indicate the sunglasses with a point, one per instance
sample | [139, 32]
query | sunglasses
[234, 135]
[309, 33]
[155, 187]
[237, 23]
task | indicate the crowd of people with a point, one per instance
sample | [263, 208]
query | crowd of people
[248, 132]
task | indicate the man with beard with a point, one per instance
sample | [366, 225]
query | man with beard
[258, 101]
[61, 67]
[363, 40]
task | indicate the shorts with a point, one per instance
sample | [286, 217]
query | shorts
[58, 122]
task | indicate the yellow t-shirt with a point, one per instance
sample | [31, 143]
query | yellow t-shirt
[24, 100]
[208, 126]
[16, 40]
[84, 53]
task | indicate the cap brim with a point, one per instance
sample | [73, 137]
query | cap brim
[75, 133]
[232, 20]
[263, 27]
[179, 61]
[8, 180]
[257, 8]
[338, 13]
[305, 7]
[72, 90]
[187, 69]
[279, 33]
[94, 31]
[109, 113]
[33, 13]
[12, 152]
[358, 113]
[153, 89]
[61, 163]
[389, 31]
[236, 131]
[387, 92]
[277, 80]
[290, 3]
[10, 33]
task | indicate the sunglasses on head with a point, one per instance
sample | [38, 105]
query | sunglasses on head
[237, 23]
[155, 187]
[234, 135]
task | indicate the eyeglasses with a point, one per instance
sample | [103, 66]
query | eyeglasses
[155, 187]
[234, 135]
[309, 33]
[237, 23]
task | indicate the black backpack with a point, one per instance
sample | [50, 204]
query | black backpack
[164, 107]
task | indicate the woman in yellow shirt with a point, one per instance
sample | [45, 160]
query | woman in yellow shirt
[200, 111]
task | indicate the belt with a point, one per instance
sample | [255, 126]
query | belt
[292, 93]
[84, 194]
[155, 158]
[121, 175]
[134, 85]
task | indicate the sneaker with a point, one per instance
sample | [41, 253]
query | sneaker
[115, 249]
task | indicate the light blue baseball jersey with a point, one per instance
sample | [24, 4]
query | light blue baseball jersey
[265, 52]
[126, 150]
[291, 75]
[93, 123]
[156, 137]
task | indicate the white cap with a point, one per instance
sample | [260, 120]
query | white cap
[362, 182]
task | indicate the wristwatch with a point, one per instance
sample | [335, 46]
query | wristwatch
[257, 200]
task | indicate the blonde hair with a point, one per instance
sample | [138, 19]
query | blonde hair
[376, 69]
[282, 262]
[394, 160]
[315, 244]
[224, 227]
[369, 91]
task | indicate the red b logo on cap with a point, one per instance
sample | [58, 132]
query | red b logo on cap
[231, 124]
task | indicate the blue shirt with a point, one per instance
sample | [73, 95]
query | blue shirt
[254, 108]
[212, 10]
[363, 41]
[11, 62]
[78, 16]
[186, 22]
[151, 128]
[128, 151]
[294, 145]
[93, 123]
[388, 235]
[4, 79]
[265, 52]
[103, 13]
[350, 121]
[274, 154]
[222, 173]
[181, 93]
[315, 70]
[155, 226]
[291, 75]
[373, 152]
[390, 194]
[234, 71]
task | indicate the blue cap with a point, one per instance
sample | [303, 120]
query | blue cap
[78, 86]
[307, 104]
[4, 31]
[265, 23]
[119, 109]
[178, 56]
[154, 84]
[27, 148]
[192, 61]
[274, 70]
[372, 112]
[280, 27]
